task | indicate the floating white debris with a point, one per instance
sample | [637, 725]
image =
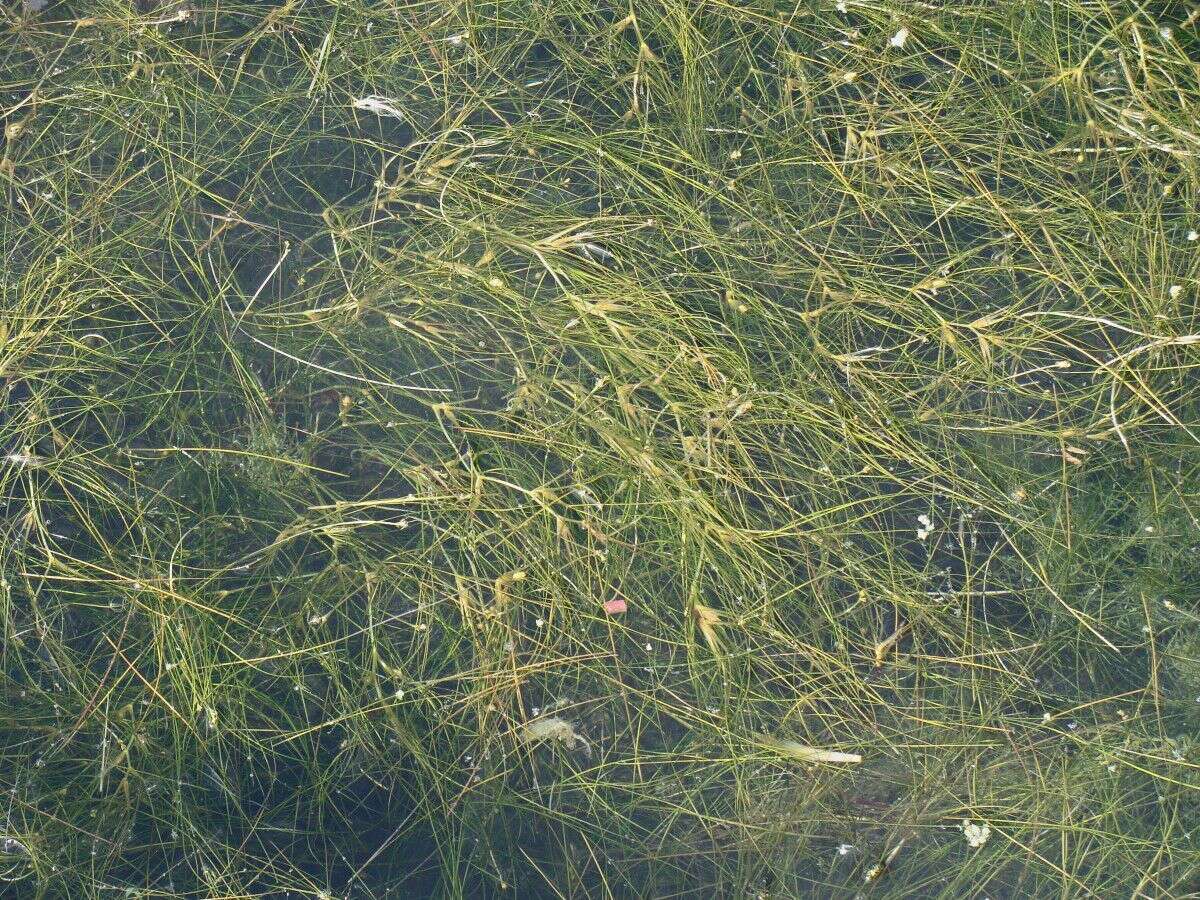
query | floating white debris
[553, 728]
[26, 460]
[899, 38]
[926, 527]
[976, 835]
[380, 106]
[588, 497]
[13, 847]
[803, 753]
[596, 252]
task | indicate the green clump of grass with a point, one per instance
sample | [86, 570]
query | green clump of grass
[357, 354]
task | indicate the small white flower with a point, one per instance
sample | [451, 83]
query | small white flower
[976, 835]
[898, 39]
[1175, 291]
[649, 647]
[841, 6]
[1193, 235]
[399, 693]
[539, 623]
[1046, 717]
[925, 520]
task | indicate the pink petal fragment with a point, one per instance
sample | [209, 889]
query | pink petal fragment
[616, 606]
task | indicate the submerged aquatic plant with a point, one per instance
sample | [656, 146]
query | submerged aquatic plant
[394, 395]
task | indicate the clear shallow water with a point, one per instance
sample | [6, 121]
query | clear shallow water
[833, 419]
